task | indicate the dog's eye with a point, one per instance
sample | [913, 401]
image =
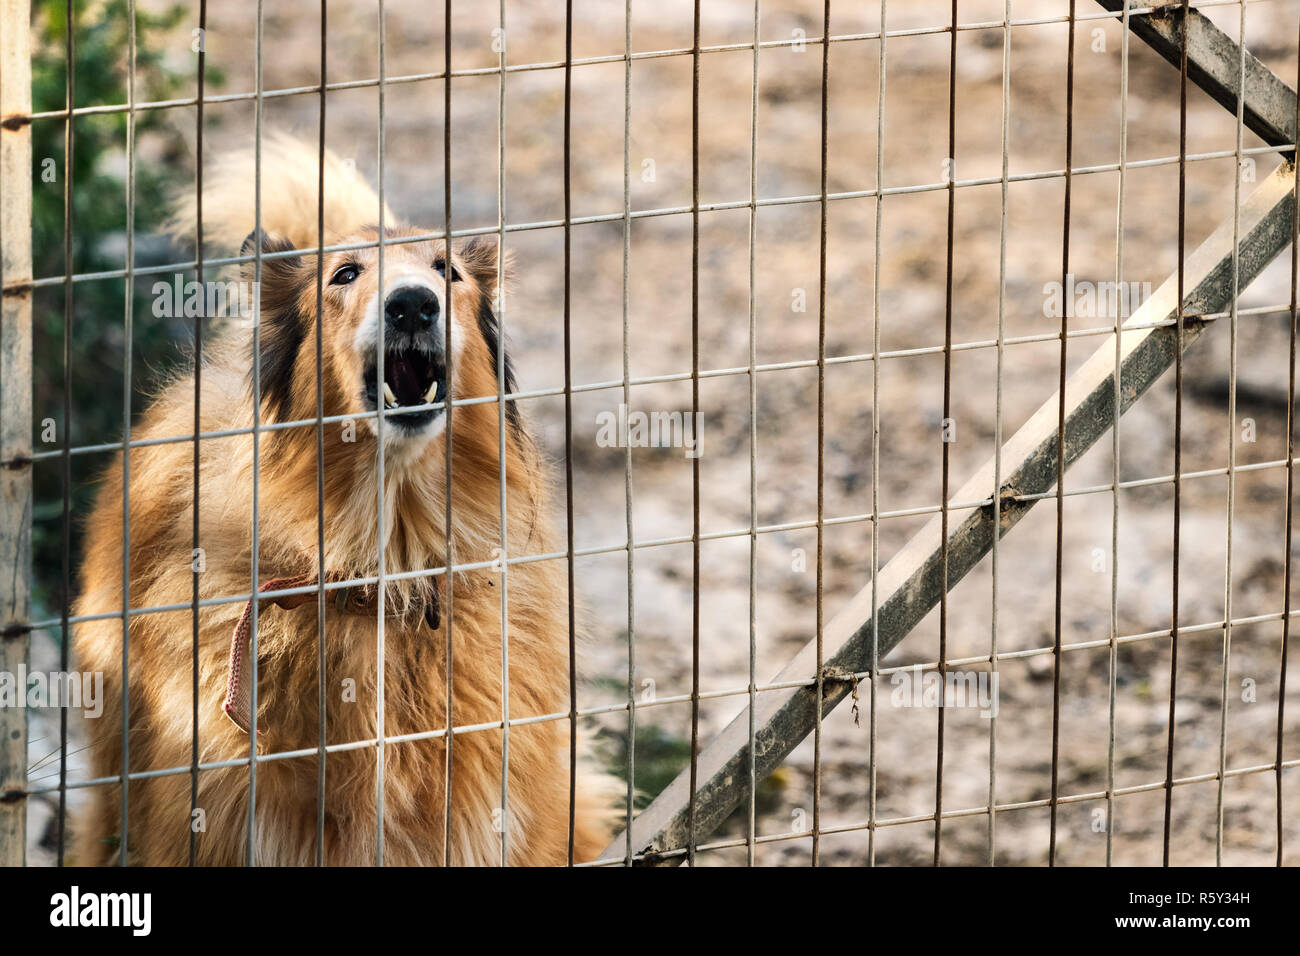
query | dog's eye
[345, 275]
[442, 270]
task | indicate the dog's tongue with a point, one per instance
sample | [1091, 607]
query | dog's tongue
[404, 378]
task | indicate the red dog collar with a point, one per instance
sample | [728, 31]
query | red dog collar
[238, 705]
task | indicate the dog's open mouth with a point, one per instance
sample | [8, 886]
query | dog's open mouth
[412, 378]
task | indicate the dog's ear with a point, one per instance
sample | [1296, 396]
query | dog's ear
[283, 326]
[479, 256]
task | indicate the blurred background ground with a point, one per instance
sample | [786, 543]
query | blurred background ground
[911, 294]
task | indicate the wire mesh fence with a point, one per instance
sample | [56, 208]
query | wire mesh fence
[690, 327]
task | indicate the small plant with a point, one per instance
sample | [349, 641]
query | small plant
[661, 756]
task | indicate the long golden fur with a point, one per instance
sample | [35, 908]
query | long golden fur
[415, 691]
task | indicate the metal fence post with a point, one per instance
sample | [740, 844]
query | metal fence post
[15, 414]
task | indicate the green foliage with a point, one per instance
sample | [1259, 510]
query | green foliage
[102, 36]
[98, 176]
[661, 756]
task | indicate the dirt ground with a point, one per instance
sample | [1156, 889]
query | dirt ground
[911, 317]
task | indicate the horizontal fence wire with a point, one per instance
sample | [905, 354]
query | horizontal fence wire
[671, 855]
[667, 700]
[668, 378]
[335, 585]
[608, 58]
[806, 199]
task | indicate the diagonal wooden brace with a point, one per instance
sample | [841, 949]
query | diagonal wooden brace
[1214, 64]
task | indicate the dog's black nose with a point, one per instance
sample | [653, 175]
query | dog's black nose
[411, 308]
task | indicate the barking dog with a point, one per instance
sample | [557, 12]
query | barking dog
[423, 289]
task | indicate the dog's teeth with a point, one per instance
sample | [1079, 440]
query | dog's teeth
[433, 391]
[389, 398]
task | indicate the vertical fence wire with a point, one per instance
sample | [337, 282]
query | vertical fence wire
[65, 461]
[872, 728]
[944, 443]
[194, 489]
[1112, 672]
[69, 136]
[1232, 437]
[695, 417]
[821, 439]
[568, 421]
[321, 657]
[256, 544]
[995, 566]
[1290, 481]
[1178, 425]
[627, 451]
[752, 789]
[128, 332]
[448, 271]
[1060, 441]
[500, 308]
[380, 423]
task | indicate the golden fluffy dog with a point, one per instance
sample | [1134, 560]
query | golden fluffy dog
[421, 289]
